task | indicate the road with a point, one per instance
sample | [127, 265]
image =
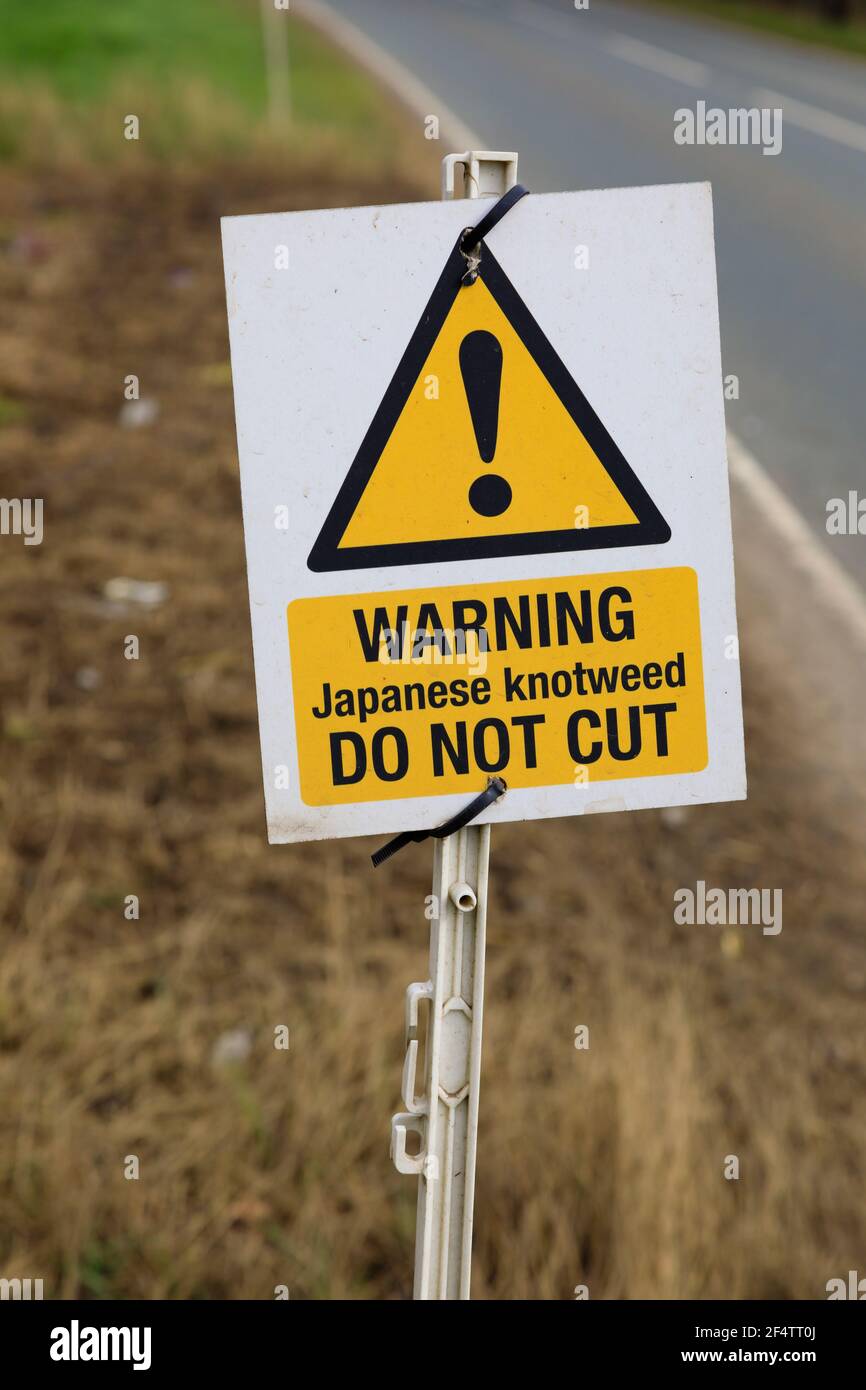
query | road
[588, 98]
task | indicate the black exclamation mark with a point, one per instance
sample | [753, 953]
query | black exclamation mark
[481, 368]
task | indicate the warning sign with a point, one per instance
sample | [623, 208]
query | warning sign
[419, 693]
[487, 524]
[483, 445]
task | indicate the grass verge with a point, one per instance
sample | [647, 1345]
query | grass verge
[193, 73]
[799, 25]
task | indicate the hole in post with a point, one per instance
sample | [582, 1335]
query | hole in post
[463, 897]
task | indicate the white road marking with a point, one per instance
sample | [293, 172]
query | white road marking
[390, 71]
[834, 585]
[816, 120]
[548, 21]
[829, 89]
[659, 60]
[839, 591]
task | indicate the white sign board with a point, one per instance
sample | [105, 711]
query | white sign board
[487, 524]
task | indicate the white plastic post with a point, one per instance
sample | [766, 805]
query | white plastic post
[275, 39]
[444, 1117]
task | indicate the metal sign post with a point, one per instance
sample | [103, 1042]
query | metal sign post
[444, 1116]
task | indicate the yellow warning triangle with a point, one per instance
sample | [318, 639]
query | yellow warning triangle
[483, 445]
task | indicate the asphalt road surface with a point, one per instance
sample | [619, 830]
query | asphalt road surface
[588, 98]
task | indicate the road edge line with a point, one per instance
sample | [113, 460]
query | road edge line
[403, 84]
[833, 583]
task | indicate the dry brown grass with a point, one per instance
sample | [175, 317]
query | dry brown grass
[182, 120]
[602, 1167]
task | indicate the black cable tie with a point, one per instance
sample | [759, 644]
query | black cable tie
[472, 237]
[496, 786]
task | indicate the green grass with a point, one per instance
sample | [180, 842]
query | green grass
[792, 24]
[82, 46]
[83, 53]
[11, 411]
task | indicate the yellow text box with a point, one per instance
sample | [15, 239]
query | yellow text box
[544, 682]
